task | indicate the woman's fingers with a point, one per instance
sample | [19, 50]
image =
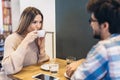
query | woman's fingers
[31, 36]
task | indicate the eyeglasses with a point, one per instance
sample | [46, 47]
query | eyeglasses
[92, 20]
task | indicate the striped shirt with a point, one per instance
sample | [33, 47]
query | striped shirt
[102, 61]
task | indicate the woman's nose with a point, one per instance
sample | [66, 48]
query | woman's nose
[38, 25]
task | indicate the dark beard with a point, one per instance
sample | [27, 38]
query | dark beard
[97, 37]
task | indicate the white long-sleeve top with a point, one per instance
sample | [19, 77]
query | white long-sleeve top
[18, 53]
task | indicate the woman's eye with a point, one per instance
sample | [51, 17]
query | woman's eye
[40, 21]
[34, 22]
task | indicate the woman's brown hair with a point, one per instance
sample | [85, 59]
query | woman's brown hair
[26, 18]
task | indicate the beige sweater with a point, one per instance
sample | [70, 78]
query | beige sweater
[18, 53]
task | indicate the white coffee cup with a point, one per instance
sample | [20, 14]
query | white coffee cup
[41, 33]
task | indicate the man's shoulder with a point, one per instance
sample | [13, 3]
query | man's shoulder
[115, 41]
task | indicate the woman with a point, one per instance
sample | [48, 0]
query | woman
[23, 47]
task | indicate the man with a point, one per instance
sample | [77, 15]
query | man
[102, 60]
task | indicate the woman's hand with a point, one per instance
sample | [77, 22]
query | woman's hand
[41, 41]
[70, 69]
[31, 36]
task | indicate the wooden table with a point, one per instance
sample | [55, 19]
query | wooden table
[27, 72]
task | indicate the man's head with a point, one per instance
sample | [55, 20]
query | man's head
[105, 13]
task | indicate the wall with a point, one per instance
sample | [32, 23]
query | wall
[73, 33]
[15, 4]
[1, 21]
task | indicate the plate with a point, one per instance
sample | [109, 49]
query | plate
[66, 75]
[45, 67]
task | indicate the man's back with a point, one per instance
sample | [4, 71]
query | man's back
[101, 62]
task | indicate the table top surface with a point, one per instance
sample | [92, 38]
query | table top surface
[27, 72]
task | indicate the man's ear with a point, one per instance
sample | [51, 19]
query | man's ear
[105, 30]
[105, 26]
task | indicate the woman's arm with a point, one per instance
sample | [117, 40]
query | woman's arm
[13, 55]
[42, 55]
[15, 51]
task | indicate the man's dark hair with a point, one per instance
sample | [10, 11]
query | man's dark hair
[106, 11]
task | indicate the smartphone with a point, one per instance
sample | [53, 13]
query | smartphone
[44, 77]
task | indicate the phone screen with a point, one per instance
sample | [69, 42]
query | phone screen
[45, 77]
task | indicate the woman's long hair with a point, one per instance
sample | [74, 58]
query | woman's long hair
[26, 18]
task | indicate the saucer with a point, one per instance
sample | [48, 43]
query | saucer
[45, 67]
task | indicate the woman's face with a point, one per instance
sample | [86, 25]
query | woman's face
[36, 24]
